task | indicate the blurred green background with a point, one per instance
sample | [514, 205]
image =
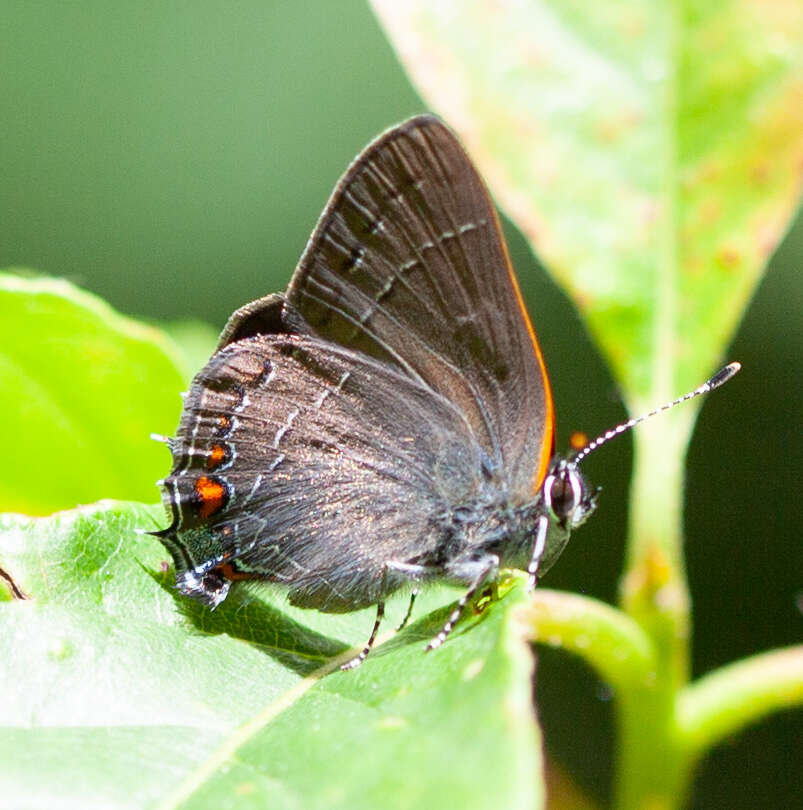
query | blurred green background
[173, 158]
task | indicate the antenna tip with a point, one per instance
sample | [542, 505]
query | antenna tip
[724, 374]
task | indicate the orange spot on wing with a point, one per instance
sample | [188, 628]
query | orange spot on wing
[212, 495]
[223, 426]
[217, 455]
[232, 574]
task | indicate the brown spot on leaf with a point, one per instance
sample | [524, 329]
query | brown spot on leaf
[728, 258]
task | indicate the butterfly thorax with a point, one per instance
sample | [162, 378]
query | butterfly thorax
[497, 523]
[489, 524]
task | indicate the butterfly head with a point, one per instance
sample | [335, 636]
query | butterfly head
[567, 496]
[566, 500]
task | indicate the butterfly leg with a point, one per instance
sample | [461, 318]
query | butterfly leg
[358, 659]
[409, 611]
[416, 573]
[489, 565]
[538, 551]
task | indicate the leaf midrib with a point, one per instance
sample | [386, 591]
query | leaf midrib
[663, 374]
[225, 752]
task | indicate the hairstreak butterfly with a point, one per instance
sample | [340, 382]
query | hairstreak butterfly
[388, 419]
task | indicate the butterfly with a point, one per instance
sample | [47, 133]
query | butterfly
[388, 419]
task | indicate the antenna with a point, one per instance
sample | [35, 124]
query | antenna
[720, 378]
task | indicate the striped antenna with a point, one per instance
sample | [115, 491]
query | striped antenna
[720, 378]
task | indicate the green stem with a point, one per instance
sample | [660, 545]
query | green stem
[654, 593]
[734, 696]
[610, 641]
[654, 589]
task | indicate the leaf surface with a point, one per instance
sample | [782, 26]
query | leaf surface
[81, 388]
[118, 693]
[650, 151]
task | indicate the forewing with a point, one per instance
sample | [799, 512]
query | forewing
[309, 464]
[408, 265]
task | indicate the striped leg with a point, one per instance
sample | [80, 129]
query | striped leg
[409, 610]
[357, 660]
[491, 565]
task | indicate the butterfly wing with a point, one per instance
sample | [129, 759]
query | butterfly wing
[303, 462]
[408, 265]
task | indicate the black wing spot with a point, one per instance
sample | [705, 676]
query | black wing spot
[264, 375]
[353, 259]
[373, 226]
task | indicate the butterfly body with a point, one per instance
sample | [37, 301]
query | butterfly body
[413, 497]
[388, 419]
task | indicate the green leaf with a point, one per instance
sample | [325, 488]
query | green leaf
[82, 388]
[117, 692]
[650, 151]
[196, 339]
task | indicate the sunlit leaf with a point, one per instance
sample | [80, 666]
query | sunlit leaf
[651, 151]
[81, 388]
[117, 693]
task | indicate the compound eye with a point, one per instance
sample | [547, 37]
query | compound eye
[564, 492]
[561, 498]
